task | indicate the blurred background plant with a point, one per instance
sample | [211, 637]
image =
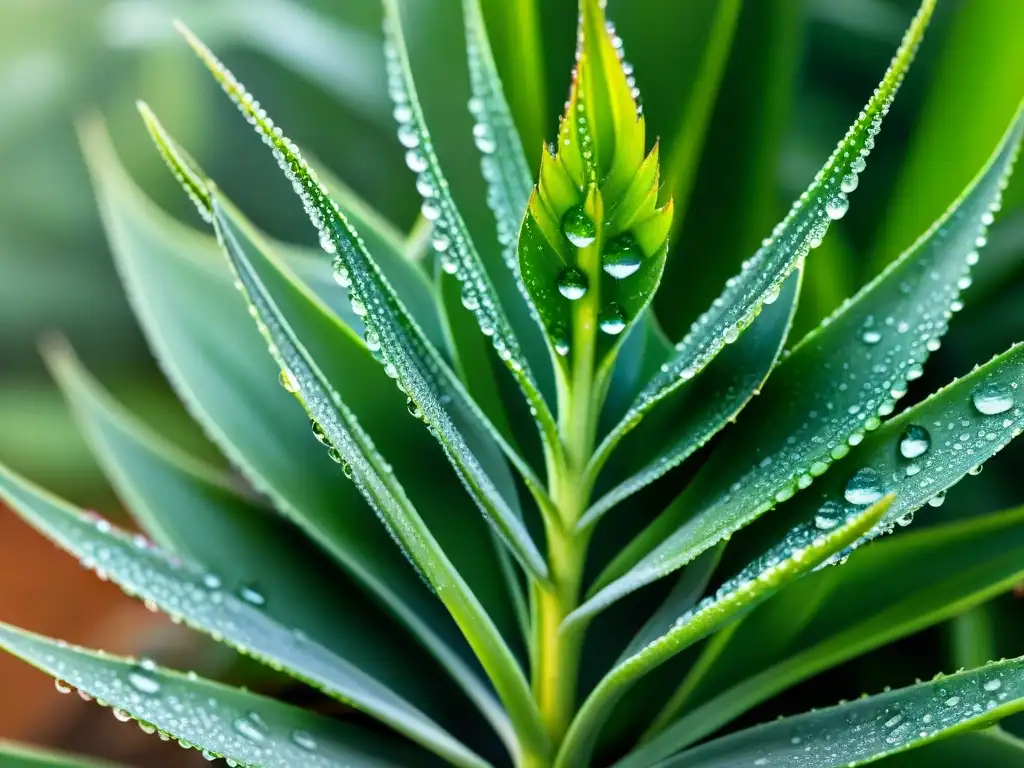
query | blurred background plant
[780, 80]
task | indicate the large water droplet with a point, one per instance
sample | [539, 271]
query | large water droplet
[560, 340]
[612, 319]
[304, 740]
[849, 182]
[579, 227]
[251, 727]
[865, 487]
[992, 397]
[828, 516]
[937, 500]
[837, 206]
[251, 595]
[621, 257]
[572, 283]
[915, 442]
[142, 679]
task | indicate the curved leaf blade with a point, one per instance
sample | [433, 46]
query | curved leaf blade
[714, 400]
[197, 598]
[834, 387]
[791, 242]
[866, 730]
[216, 719]
[793, 557]
[217, 363]
[885, 592]
[452, 240]
[368, 469]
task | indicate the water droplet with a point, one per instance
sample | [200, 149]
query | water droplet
[952, 701]
[621, 257]
[829, 516]
[142, 680]
[62, 687]
[318, 433]
[904, 520]
[572, 283]
[865, 487]
[578, 227]
[994, 684]
[304, 740]
[251, 727]
[915, 442]
[560, 340]
[992, 397]
[837, 206]
[251, 595]
[121, 714]
[871, 337]
[414, 410]
[975, 471]
[849, 182]
[937, 500]
[408, 136]
[327, 243]
[612, 320]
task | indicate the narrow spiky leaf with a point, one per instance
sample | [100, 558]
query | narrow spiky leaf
[792, 240]
[866, 730]
[218, 720]
[451, 238]
[793, 557]
[198, 599]
[876, 343]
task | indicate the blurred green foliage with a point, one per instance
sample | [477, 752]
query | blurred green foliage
[797, 72]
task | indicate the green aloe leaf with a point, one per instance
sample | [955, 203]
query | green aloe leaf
[866, 730]
[352, 447]
[217, 362]
[502, 158]
[218, 720]
[801, 550]
[451, 238]
[22, 756]
[887, 591]
[989, 748]
[380, 237]
[592, 247]
[197, 514]
[792, 240]
[198, 599]
[877, 343]
[408, 357]
[728, 385]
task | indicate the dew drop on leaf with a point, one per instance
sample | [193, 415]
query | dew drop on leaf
[252, 596]
[251, 727]
[560, 340]
[992, 397]
[612, 320]
[865, 487]
[288, 382]
[578, 227]
[937, 500]
[828, 516]
[142, 680]
[871, 337]
[304, 740]
[621, 257]
[837, 206]
[62, 687]
[915, 442]
[572, 283]
[849, 182]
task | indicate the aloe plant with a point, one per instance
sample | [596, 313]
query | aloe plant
[429, 430]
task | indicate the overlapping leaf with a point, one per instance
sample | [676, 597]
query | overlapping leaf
[874, 346]
[213, 355]
[885, 592]
[215, 719]
[19, 756]
[451, 238]
[198, 599]
[792, 240]
[863, 731]
[799, 552]
[352, 447]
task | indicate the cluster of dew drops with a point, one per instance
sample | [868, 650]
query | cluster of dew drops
[622, 255]
[450, 239]
[140, 689]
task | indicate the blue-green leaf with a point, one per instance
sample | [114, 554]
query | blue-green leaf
[218, 720]
[451, 238]
[199, 599]
[792, 240]
[866, 730]
[794, 556]
[199, 329]
[835, 386]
